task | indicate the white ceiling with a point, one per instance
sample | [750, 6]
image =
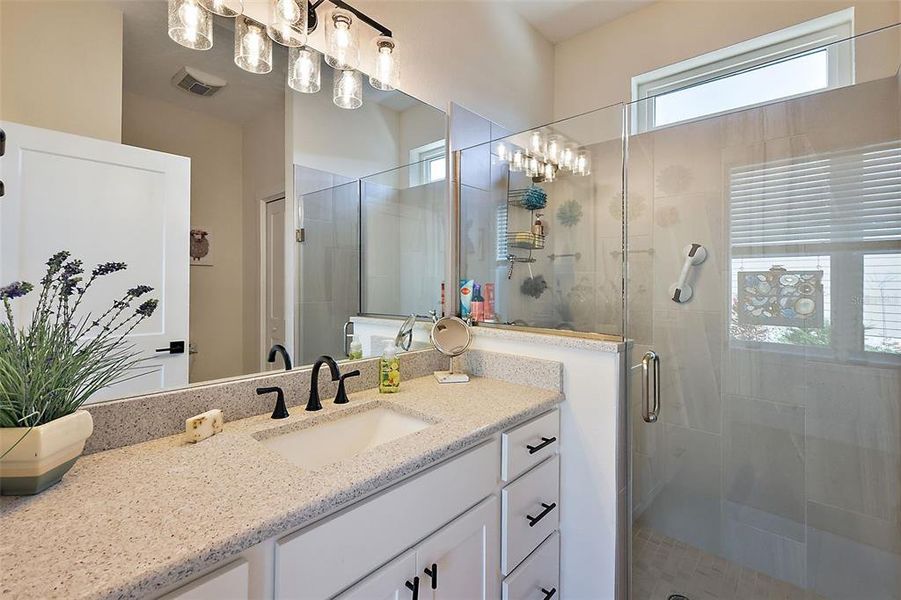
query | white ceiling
[558, 20]
[151, 59]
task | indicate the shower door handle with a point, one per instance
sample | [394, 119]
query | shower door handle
[650, 362]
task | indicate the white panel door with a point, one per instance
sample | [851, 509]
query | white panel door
[275, 278]
[102, 201]
[394, 581]
[461, 561]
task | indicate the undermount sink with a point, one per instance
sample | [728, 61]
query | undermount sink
[346, 436]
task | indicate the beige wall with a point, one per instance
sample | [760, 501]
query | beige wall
[595, 69]
[264, 177]
[215, 149]
[62, 66]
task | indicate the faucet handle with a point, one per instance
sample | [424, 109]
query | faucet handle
[280, 411]
[341, 396]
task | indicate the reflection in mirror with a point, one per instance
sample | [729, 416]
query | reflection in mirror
[451, 337]
[234, 196]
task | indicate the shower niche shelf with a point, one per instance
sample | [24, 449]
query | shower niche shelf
[525, 240]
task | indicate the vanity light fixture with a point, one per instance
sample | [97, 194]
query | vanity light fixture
[342, 50]
[348, 89]
[536, 143]
[253, 48]
[568, 156]
[517, 161]
[288, 22]
[550, 172]
[554, 148]
[503, 153]
[224, 8]
[582, 165]
[386, 69]
[190, 24]
[304, 70]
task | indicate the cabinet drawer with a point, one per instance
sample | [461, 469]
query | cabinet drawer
[231, 581]
[530, 511]
[529, 444]
[538, 577]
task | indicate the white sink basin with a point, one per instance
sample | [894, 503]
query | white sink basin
[335, 440]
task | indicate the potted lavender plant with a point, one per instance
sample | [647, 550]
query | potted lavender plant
[52, 365]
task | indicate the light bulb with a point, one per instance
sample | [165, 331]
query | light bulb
[517, 162]
[348, 89]
[567, 157]
[554, 148]
[253, 48]
[385, 76]
[342, 51]
[190, 24]
[550, 172]
[533, 167]
[304, 70]
[288, 22]
[582, 164]
[224, 8]
[503, 153]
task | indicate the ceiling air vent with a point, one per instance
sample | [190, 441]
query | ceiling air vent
[197, 82]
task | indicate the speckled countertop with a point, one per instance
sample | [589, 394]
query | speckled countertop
[128, 522]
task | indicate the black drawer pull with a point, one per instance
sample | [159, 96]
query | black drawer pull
[547, 508]
[414, 587]
[433, 573]
[548, 594]
[545, 441]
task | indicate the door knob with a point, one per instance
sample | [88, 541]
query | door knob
[177, 347]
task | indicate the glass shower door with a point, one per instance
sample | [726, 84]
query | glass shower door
[764, 267]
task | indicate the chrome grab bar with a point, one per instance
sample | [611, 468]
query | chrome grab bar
[647, 413]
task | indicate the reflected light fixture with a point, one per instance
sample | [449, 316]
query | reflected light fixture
[386, 74]
[342, 51]
[582, 165]
[253, 48]
[304, 70]
[348, 89]
[190, 24]
[517, 161]
[567, 157]
[554, 148]
[288, 22]
[503, 154]
[224, 8]
[536, 143]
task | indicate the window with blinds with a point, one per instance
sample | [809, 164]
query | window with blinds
[838, 211]
[501, 248]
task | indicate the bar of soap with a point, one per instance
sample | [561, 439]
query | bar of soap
[204, 425]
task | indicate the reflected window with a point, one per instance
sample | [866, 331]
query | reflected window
[430, 161]
[830, 226]
[809, 57]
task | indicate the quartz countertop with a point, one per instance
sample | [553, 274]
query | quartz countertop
[127, 523]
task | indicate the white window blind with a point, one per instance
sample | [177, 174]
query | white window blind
[848, 196]
[501, 249]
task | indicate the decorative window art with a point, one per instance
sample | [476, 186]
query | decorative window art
[780, 297]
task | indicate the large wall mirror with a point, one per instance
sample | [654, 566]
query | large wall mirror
[258, 214]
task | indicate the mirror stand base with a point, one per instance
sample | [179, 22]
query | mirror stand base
[451, 377]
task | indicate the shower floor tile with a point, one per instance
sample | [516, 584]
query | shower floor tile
[663, 566]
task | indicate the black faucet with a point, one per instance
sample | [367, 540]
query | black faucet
[341, 396]
[281, 411]
[314, 403]
[279, 349]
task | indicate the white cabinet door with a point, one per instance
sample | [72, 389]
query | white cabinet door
[461, 561]
[103, 202]
[230, 582]
[395, 581]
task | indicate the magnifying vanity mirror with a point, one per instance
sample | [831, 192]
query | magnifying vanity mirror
[260, 215]
[451, 337]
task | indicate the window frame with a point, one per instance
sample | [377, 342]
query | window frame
[424, 156]
[807, 37]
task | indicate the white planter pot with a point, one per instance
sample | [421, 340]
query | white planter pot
[44, 455]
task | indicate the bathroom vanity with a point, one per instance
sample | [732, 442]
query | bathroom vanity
[466, 507]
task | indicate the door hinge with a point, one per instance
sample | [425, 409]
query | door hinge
[299, 235]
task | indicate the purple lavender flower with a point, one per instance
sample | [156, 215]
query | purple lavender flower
[16, 289]
[139, 290]
[54, 264]
[70, 286]
[147, 307]
[107, 268]
[72, 268]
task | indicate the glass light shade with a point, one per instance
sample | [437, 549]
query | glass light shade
[304, 70]
[567, 157]
[533, 167]
[517, 161]
[550, 172]
[554, 148]
[224, 8]
[253, 48]
[288, 22]
[536, 143]
[386, 75]
[190, 24]
[342, 51]
[582, 165]
[348, 89]
[503, 153]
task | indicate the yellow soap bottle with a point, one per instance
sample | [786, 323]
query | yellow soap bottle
[389, 370]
